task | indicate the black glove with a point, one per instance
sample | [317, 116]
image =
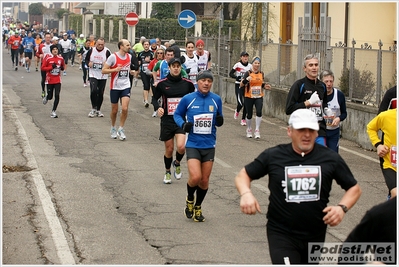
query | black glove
[188, 71]
[54, 65]
[62, 68]
[187, 126]
[219, 120]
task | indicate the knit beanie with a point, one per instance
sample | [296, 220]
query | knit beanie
[199, 42]
[204, 74]
[52, 47]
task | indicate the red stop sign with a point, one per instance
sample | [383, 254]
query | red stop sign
[132, 19]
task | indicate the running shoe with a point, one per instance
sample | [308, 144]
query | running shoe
[37, 69]
[198, 217]
[99, 114]
[257, 134]
[167, 179]
[16, 68]
[92, 113]
[134, 82]
[113, 133]
[64, 73]
[236, 114]
[177, 172]
[249, 133]
[80, 67]
[53, 114]
[121, 134]
[43, 94]
[28, 70]
[243, 123]
[146, 104]
[84, 84]
[154, 114]
[189, 210]
[72, 65]
[44, 100]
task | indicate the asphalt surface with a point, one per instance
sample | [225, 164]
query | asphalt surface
[76, 196]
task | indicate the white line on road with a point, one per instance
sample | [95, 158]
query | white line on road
[221, 162]
[341, 147]
[61, 245]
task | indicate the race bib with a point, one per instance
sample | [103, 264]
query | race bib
[66, 50]
[203, 123]
[255, 91]
[123, 74]
[393, 156]
[97, 66]
[317, 110]
[172, 105]
[55, 71]
[303, 183]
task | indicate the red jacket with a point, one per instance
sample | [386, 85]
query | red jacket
[15, 41]
[53, 75]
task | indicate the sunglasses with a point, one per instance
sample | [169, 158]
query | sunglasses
[160, 53]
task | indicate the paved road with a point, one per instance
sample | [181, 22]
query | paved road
[80, 197]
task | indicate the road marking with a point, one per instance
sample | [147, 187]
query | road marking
[61, 245]
[341, 147]
[262, 188]
[358, 154]
[221, 162]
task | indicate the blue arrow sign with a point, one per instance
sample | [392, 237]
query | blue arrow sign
[187, 18]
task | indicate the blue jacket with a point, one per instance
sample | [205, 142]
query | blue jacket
[204, 108]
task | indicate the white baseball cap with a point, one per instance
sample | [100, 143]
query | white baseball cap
[55, 38]
[81, 35]
[303, 118]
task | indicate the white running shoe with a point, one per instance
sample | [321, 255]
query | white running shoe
[53, 114]
[92, 113]
[84, 84]
[99, 114]
[249, 133]
[177, 172]
[146, 104]
[64, 73]
[243, 123]
[44, 100]
[167, 178]
[154, 114]
[113, 133]
[121, 134]
[80, 67]
[257, 134]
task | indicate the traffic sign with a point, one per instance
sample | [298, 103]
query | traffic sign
[187, 18]
[132, 18]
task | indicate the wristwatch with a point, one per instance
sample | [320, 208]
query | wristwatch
[345, 208]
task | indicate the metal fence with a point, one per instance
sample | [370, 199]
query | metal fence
[363, 73]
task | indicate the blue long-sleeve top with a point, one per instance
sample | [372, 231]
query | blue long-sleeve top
[201, 110]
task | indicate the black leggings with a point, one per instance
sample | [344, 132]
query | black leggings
[97, 92]
[84, 71]
[50, 89]
[240, 100]
[249, 105]
[146, 80]
[43, 73]
[14, 56]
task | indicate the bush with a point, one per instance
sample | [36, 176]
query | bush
[363, 84]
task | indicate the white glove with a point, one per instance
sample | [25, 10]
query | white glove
[328, 112]
[314, 98]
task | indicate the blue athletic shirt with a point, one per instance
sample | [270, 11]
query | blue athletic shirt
[30, 44]
[201, 110]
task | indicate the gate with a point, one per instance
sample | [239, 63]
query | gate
[314, 41]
